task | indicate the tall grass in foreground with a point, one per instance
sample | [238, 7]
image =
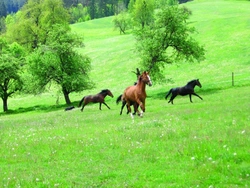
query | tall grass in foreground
[182, 145]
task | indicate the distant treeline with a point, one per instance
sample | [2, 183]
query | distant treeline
[95, 8]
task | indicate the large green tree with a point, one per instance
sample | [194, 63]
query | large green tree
[32, 24]
[168, 39]
[11, 58]
[58, 62]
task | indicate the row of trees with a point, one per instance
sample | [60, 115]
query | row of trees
[39, 49]
[80, 10]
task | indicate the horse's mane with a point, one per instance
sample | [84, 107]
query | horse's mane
[191, 81]
[104, 91]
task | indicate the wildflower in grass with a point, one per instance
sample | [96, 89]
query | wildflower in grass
[235, 154]
[192, 158]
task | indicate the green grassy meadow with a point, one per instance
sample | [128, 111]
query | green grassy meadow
[200, 144]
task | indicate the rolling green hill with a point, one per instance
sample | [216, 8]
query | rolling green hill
[223, 28]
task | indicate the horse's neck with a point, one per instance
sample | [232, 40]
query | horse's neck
[104, 95]
[192, 85]
[140, 84]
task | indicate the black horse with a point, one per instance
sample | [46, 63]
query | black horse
[98, 98]
[185, 90]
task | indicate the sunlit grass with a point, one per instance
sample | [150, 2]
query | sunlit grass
[199, 144]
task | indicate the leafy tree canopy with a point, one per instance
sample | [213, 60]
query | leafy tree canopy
[168, 39]
[31, 25]
[11, 60]
[58, 62]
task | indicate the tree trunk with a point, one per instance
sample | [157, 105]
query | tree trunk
[5, 104]
[66, 96]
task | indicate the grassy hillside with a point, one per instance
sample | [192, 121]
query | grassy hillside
[199, 144]
[223, 29]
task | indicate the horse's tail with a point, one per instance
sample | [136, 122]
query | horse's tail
[170, 91]
[80, 104]
[119, 99]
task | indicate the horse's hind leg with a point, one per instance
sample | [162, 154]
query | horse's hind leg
[123, 104]
[190, 97]
[129, 109]
[135, 108]
[83, 107]
[172, 99]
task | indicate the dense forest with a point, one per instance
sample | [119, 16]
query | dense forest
[94, 8]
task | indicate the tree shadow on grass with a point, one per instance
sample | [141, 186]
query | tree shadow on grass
[41, 108]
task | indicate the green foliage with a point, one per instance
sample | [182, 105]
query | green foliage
[58, 62]
[122, 21]
[33, 22]
[79, 14]
[2, 25]
[142, 12]
[11, 57]
[161, 3]
[167, 40]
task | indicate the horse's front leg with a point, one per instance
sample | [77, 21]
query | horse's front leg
[105, 104]
[142, 106]
[197, 96]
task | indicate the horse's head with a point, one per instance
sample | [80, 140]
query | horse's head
[146, 78]
[110, 93]
[198, 83]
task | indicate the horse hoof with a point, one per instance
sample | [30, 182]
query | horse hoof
[131, 115]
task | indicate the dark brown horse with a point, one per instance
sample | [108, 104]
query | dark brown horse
[185, 90]
[98, 98]
[136, 94]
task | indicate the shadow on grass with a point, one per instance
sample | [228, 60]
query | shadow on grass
[209, 91]
[201, 91]
[42, 108]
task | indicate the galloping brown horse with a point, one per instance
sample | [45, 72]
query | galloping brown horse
[96, 98]
[136, 94]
